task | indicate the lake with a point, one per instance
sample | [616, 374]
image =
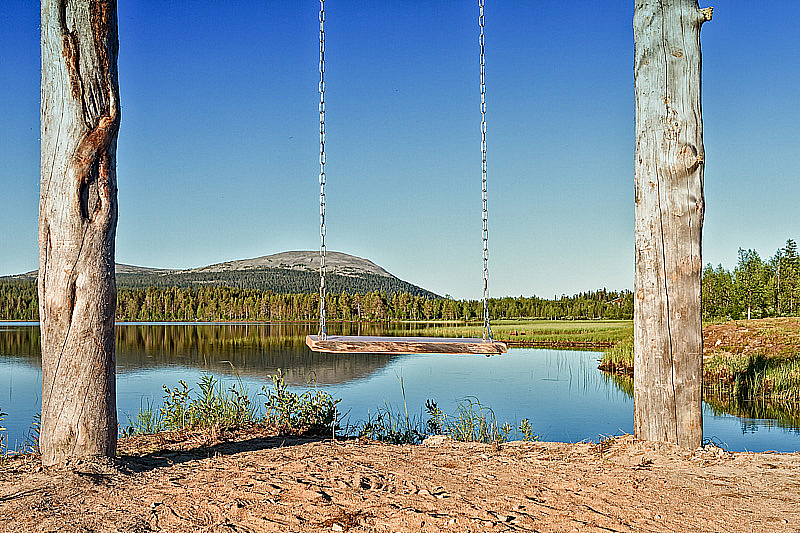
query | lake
[562, 392]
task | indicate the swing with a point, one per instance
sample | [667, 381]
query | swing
[399, 345]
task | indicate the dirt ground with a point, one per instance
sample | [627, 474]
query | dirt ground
[251, 482]
[769, 336]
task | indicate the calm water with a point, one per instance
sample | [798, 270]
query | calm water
[561, 392]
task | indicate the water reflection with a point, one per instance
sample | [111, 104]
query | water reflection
[20, 340]
[240, 349]
[562, 392]
[753, 415]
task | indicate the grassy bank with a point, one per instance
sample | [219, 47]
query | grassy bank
[566, 333]
[753, 361]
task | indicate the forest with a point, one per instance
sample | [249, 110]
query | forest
[18, 301]
[754, 288]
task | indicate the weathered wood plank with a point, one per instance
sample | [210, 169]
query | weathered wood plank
[403, 345]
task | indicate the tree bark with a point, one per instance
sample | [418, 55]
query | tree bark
[669, 219]
[77, 226]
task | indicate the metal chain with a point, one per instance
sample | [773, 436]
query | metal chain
[322, 250]
[487, 327]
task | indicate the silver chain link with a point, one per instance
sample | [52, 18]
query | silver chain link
[487, 327]
[322, 250]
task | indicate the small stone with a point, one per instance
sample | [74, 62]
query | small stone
[337, 527]
[435, 440]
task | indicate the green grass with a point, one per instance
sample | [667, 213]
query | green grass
[551, 331]
[212, 407]
[474, 422]
[753, 377]
[751, 386]
[387, 424]
[312, 411]
[619, 358]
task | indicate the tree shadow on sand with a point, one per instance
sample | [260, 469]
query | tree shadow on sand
[162, 450]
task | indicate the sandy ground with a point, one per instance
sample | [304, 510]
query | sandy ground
[256, 482]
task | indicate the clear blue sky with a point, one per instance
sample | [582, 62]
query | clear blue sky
[217, 156]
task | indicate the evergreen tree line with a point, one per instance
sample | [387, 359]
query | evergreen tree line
[18, 301]
[278, 280]
[755, 288]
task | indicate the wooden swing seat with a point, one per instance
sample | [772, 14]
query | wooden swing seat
[404, 345]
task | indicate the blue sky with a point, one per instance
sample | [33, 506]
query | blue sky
[217, 156]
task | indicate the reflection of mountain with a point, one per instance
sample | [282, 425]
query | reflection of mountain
[255, 350]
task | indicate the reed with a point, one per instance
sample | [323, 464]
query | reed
[216, 407]
[474, 422]
[315, 411]
[753, 377]
[619, 358]
[388, 425]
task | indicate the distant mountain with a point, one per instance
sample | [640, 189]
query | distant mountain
[335, 263]
[285, 272]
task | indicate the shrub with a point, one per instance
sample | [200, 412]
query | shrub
[314, 410]
[214, 407]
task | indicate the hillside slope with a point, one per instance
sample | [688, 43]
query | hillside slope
[285, 272]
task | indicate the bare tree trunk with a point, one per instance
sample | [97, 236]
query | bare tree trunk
[669, 218]
[77, 226]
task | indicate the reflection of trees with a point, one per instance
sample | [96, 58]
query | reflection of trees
[245, 349]
[622, 381]
[784, 414]
[21, 341]
[722, 400]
